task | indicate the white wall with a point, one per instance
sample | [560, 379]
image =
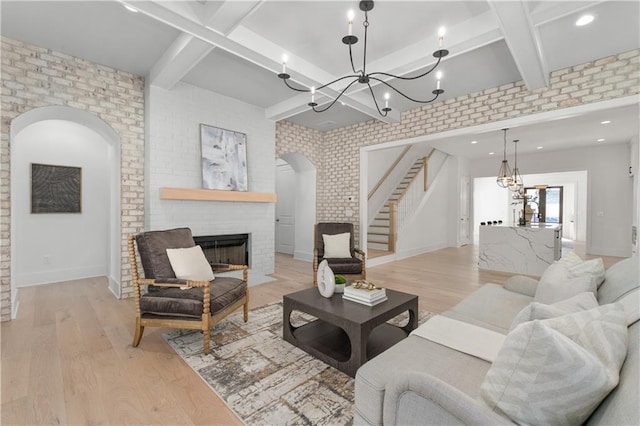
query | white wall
[609, 190]
[635, 163]
[379, 163]
[60, 247]
[174, 160]
[430, 228]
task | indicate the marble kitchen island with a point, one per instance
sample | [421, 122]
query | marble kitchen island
[527, 250]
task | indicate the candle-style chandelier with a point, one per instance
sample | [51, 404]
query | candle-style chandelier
[363, 77]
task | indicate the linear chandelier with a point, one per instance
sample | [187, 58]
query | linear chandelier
[362, 76]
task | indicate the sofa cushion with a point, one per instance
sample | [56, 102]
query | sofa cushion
[190, 264]
[177, 302]
[538, 311]
[491, 307]
[557, 284]
[461, 371]
[562, 368]
[620, 279]
[153, 245]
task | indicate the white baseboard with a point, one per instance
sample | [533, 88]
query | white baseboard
[303, 255]
[15, 303]
[55, 276]
[114, 287]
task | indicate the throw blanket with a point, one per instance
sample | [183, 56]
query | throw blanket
[467, 338]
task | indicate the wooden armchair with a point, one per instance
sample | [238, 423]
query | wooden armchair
[175, 303]
[351, 267]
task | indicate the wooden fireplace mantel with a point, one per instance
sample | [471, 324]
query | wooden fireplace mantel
[198, 194]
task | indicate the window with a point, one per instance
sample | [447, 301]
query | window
[546, 203]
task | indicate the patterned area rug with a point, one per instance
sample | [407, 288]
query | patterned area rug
[262, 378]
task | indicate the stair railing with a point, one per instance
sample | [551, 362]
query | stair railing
[400, 210]
[386, 175]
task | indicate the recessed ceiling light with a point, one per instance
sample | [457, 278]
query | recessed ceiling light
[491, 153]
[473, 142]
[600, 140]
[130, 8]
[539, 147]
[584, 20]
[605, 122]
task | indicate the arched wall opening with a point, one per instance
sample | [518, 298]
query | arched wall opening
[48, 248]
[303, 202]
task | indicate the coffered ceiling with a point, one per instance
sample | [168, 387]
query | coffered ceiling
[235, 47]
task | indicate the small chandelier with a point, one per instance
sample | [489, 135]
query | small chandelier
[361, 76]
[504, 174]
[516, 184]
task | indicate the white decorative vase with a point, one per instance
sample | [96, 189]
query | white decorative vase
[326, 279]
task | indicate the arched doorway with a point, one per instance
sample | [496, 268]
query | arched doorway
[102, 146]
[303, 200]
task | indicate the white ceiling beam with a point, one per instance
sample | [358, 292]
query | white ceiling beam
[187, 51]
[523, 41]
[180, 58]
[546, 12]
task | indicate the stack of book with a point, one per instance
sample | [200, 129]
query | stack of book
[365, 297]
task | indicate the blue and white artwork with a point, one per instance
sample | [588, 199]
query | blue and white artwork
[224, 159]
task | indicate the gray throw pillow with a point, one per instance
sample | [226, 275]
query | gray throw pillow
[538, 311]
[557, 371]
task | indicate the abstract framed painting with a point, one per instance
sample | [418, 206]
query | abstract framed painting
[224, 159]
[56, 189]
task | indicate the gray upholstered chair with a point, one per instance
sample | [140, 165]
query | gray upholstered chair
[175, 303]
[351, 267]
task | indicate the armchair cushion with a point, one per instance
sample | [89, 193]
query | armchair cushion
[345, 266]
[190, 264]
[174, 301]
[336, 246]
[153, 245]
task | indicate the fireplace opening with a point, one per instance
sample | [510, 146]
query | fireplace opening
[232, 249]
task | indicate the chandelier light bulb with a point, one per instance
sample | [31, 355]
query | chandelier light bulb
[350, 15]
[438, 78]
[285, 58]
[386, 100]
[313, 93]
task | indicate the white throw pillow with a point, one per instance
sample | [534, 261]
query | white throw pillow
[337, 246]
[577, 267]
[190, 264]
[539, 311]
[557, 371]
[556, 284]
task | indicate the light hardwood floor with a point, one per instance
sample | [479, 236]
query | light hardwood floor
[67, 358]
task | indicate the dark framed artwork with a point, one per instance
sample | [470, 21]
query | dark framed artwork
[56, 189]
[224, 159]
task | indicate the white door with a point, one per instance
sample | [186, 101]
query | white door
[463, 231]
[285, 208]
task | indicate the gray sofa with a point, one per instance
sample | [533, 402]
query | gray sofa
[421, 382]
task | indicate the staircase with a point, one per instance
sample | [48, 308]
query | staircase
[378, 234]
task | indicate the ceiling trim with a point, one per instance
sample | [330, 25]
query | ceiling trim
[523, 41]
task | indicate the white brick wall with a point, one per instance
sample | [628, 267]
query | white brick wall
[174, 160]
[34, 77]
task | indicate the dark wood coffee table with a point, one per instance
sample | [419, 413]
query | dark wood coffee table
[347, 334]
